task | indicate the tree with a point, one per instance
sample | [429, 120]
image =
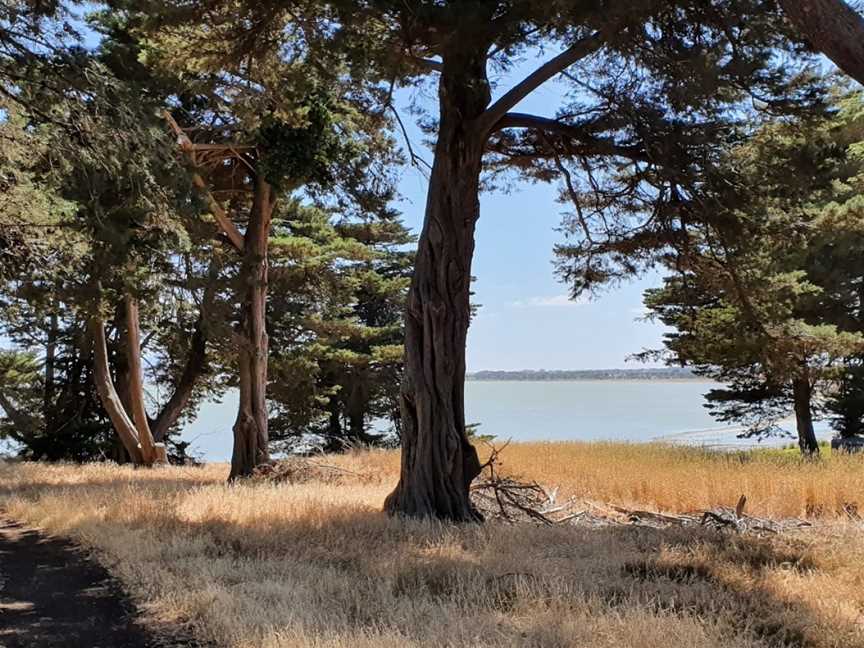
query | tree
[100, 156]
[653, 86]
[765, 290]
[362, 364]
[655, 89]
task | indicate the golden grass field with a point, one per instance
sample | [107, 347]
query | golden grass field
[318, 564]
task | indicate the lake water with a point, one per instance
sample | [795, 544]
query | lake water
[588, 410]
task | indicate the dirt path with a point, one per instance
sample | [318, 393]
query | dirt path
[52, 595]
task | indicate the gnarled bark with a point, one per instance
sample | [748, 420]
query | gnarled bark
[250, 428]
[438, 460]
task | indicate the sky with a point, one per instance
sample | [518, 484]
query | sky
[526, 320]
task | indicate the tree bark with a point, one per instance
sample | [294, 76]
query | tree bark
[832, 27]
[136, 380]
[335, 433]
[802, 395]
[123, 425]
[250, 428]
[438, 461]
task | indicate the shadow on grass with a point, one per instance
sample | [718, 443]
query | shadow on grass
[52, 595]
[728, 579]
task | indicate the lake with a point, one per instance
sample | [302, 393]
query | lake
[586, 410]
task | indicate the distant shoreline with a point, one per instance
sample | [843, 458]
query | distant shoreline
[559, 375]
[695, 379]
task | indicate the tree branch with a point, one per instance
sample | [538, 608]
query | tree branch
[834, 28]
[588, 143]
[222, 220]
[579, 50]
[196, 364]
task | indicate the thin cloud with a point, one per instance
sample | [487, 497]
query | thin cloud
[551, 301]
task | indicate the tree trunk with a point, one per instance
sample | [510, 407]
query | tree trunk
[802, 394]
[250, 428]
[335, 433]
[196, 362]
[136, 380]
[358, 402]
[48, 404]
[832, 27]
[438, 461]
[123, 425]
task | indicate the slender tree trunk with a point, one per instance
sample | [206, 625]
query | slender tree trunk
[802, 395]
[250, 428]
[358, 402]
[438, 461]
[123, 425]
[335, 433]
[48, 404]
[196, 362]
[834, 28]
[136, 380]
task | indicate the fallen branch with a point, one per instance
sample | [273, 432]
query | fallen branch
[512, 499]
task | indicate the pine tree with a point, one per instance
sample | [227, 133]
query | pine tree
[765, 295]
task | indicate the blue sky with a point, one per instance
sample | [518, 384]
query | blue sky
[526, 320]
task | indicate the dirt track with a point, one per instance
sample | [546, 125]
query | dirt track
[51, 594]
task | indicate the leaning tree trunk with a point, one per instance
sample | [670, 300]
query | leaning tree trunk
[438, 460]
[250, 428]
[196, 364]
[802, 395]
[123, 425]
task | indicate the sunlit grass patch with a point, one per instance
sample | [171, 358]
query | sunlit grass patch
[317, 564]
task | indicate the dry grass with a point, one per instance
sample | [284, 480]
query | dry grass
[681, 479]
[316, 563]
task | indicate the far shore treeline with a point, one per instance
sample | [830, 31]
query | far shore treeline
[659, 373]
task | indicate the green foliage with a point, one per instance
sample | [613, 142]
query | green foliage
[294, 155]
[765, 287]
[335, 322]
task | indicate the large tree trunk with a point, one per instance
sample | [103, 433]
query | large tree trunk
[136, 380]
[438, 461]
[802, 395]
[123, 425]
[832, 27]
[250, 428]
